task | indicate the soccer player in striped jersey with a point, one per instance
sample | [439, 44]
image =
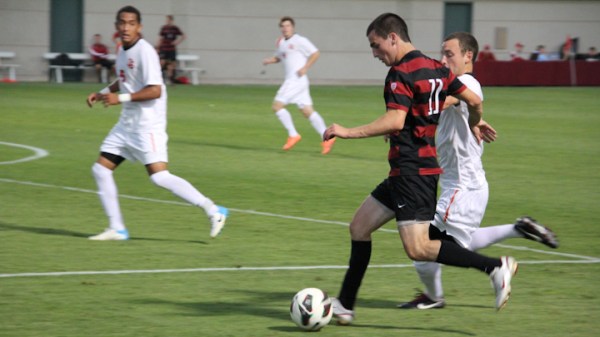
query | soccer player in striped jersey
[297, 54]
[140, 134]
[414, 93]
[464, 188]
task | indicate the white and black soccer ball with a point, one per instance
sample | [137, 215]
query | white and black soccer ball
[311, 309]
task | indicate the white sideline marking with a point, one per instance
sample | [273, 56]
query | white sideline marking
[225, 269]
[38, 153]
[582, 259]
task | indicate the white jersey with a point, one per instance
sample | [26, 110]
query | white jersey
[294, 53]
[138, 67]
[459, 153]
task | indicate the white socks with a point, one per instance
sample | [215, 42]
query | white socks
[487, 236]
[107, 191]
[286, 119]
[318, 123]
[183, 189]
[430, 274]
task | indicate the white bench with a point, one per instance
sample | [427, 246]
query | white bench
[12, 68]
[193, 71]
[83, 57]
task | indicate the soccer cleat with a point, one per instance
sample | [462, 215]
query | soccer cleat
[291, 141]
[111, 235]
[532, 230]
[343, 315]
[501, 277]
[327, 145]
[217, 221]
[423, 302]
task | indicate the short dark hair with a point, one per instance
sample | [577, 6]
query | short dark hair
[388, 23]
[287, 18]
[129, 9]
[466, 42]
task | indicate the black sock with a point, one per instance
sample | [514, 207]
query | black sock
[359, 260]
[454, 255]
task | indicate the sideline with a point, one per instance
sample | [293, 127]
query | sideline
[38, 153]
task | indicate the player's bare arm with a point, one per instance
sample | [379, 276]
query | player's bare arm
[179, 39]
[271, 60]
[391, 121]
[149, 92]
[474, 105]
[311, 60]
[97, 96]
[450, 101]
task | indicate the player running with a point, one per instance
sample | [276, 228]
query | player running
[140, 134]
[298, 54]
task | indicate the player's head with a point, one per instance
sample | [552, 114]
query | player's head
[170, 19]
[388, 23]
[459, 52]
[129, 24]
[287, 26]
[388, 38]
[97, 38]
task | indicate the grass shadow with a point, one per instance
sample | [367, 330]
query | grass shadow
[69, 233]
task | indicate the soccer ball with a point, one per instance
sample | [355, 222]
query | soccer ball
[311, 309]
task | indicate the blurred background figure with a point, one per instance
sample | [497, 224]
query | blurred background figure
[99, 53]
[486, 54]
[169, 37]
[517, 54]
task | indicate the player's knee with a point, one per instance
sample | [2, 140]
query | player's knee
[417, 252]
[100, 172]
[161, 178]
[358, 233]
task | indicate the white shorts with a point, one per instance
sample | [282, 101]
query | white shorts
[148, 148]
[295, 91]
[460, 212]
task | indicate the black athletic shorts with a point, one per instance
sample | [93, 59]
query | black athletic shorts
[411, 198]
[169, 55]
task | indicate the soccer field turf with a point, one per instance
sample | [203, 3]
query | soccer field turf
[287, 228]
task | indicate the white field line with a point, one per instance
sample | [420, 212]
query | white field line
[232, 269]
[581, 258]
[37, 153]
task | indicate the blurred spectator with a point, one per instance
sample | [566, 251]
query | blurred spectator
[539, 54]
[486, 54]
[592, 54]
[517, 55]
[169, 37]
[99, 53]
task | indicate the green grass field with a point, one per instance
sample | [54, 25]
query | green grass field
[288, 211]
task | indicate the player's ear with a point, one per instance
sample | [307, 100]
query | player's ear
[469, 56]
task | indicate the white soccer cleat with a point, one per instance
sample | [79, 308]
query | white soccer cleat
[111, 235]
[501, 277]
[217, 221]
[343, 315]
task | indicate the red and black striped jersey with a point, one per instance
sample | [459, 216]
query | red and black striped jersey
[168, 33]
[418, 85]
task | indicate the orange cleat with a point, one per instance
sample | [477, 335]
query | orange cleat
[291, 141]
[327, 145]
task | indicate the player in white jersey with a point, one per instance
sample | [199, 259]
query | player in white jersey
[140, 134]
[298, 54]
[464, 188]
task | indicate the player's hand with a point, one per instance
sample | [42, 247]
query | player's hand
[335, 130]
[484, 131]
[301, 72]
[93, 98]
[110, 99]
